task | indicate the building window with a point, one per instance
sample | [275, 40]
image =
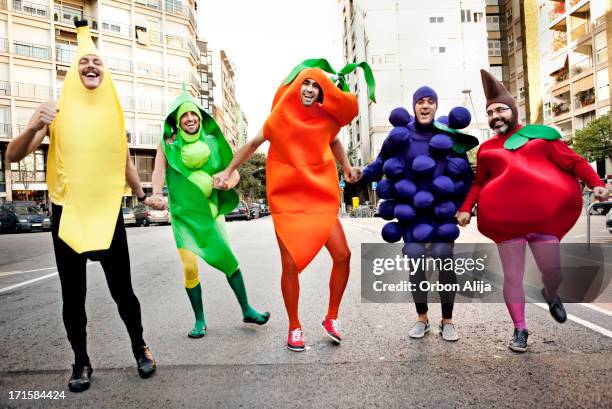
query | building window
[29, 170]
[434, 20]
[493, 22]
[466, 16]
[494, 48]
[389, 58]
[438, 50]
[2, 182]
[478, 17]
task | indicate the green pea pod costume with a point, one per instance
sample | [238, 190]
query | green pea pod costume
[196, 208]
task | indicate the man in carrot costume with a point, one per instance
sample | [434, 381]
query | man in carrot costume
[302, 182]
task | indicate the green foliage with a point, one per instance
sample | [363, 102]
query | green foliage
[594, 142]
[253, 178]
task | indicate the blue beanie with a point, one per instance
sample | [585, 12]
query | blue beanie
[423, 92]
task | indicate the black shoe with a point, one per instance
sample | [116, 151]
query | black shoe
[518, 343]
[146, 362]
[80, 379]
[557, 310]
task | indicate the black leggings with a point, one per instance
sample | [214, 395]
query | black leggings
[71, 267]
[447, 298]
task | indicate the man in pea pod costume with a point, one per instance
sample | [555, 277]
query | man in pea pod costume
[193, 148]
[308, 111]
[517, 170]
[426, 177]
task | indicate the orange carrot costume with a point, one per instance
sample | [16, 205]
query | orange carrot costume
[301, 176]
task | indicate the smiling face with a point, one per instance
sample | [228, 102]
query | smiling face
[425, 110]
[91, 71]
[310, 92]
[190, 122]
[500, 117]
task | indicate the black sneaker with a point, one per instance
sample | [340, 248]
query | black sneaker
[146, 362]
[556, 308]
[80, 379]
[518, 343]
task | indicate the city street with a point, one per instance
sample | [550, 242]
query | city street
[237, 365]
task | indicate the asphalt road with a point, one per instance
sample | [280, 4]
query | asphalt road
[237, 365]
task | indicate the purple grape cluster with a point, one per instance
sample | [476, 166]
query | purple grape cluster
[422, 195]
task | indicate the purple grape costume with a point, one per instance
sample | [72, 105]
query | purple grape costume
[426, 178]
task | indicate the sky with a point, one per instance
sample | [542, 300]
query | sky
[267, 38]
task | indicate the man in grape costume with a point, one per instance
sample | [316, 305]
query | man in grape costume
[193, 148]
[517, 169]
[426, 176]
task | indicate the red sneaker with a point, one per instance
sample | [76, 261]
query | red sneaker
[295, 340]
[332, 329]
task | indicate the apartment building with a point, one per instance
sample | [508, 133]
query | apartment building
[149, 46]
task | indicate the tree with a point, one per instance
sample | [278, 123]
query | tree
[252, 184]
[594, 141]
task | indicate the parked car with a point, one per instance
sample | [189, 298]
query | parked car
[146, 216]
[609, 221]
[255, 211]
[265, 210]
[601, 208]
[23, 216]
[128, 216]
[241, 212]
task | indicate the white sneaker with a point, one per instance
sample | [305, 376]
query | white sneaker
[448, 332]
[419, 329]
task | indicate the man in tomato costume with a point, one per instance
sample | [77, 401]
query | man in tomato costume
[517, 169]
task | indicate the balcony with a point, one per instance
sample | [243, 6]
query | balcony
[4, 45]
[117, 28]
[149, 70]
[155, 37]
[583, 66]
[153, 4]
[148, 105]
[68, 16]
[31, 50]
[65, 53]
[177, 7]
[584, 98]
[148, 138]
[118, 64]
[556, 12]
[6, 131]
[33, 91]
[559, 109]
[581, 32]
[31, 9]
[559, 40]
[5, 88]
[188, 77]
[127, 103]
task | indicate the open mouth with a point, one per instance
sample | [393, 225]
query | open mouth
[92, 74]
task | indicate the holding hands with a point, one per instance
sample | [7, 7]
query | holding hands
[225, 180]
[157, 202]
[352, 174]
[601, 193]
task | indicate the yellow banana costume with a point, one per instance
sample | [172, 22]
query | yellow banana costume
[87, 157]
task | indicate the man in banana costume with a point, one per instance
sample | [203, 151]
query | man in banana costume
[192, 149]
[87, 169]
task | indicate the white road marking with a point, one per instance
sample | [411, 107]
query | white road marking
[583, 322]
[10, 273]
[11, 287]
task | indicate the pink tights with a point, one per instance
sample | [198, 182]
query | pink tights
[547, 255]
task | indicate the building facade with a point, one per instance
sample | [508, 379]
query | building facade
[149, 46]
[408, 44]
